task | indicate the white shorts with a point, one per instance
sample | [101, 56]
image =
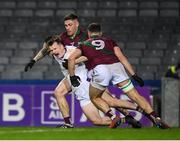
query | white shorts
[82, 91]
[102, 75]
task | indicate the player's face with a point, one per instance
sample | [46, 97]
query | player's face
[57, 49]
[71, 26]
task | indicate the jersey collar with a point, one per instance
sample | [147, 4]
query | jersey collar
[95, 36]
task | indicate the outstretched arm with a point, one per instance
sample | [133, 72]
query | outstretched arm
[43, 52]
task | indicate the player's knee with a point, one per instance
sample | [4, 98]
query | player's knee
[58, 93]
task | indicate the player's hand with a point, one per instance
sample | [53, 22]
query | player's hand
[75, 80]
[138, 79]
[29, 65]
[65, 63]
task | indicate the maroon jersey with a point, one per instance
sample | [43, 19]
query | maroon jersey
[98, 50]
[80, 36]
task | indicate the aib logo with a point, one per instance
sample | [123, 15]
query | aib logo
[50, 113]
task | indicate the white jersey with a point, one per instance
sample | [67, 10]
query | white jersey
[81, 92]
[78, 67]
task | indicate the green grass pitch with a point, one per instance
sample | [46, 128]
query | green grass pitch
[88, 133]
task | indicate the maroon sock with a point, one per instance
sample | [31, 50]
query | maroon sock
[150, 116]
[153, 113]
[67, 120]
[109, 113]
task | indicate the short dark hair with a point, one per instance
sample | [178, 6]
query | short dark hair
[94, 27]
[51, 39]
[71, 16]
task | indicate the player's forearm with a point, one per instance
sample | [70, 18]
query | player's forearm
[41, 53]
[128, 66]
[72, 61]
[71, 66]
[38, 56]
[81, 59]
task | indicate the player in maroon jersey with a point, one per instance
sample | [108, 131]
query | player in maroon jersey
[106, 64]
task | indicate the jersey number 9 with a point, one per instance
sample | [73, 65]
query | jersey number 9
[99, 44]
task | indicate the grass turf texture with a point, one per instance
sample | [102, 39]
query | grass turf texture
[49, 133]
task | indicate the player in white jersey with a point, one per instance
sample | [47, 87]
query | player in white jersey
[81, 93]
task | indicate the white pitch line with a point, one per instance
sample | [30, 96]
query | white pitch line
[40, 130]
[22, 131]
